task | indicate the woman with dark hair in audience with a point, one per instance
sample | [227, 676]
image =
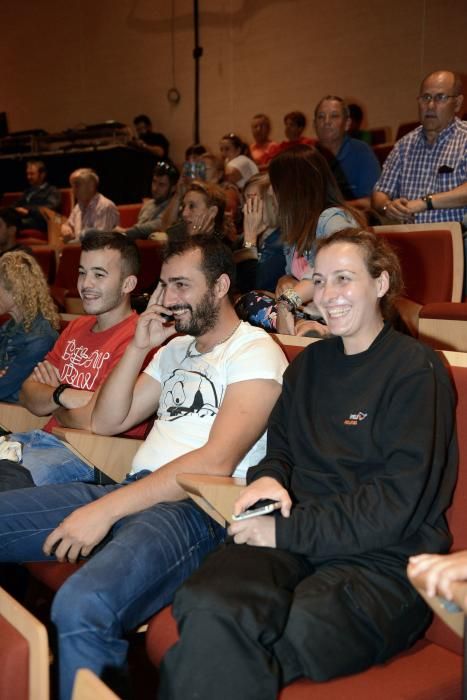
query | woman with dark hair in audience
[260, 260]
[310, 206]
[239, 167]
[26, 338]
[361, 461]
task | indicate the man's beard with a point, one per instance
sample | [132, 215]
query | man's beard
[203, 318]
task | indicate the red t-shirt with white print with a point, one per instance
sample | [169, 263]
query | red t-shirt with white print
[83, 358]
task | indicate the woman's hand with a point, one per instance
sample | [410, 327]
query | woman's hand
[259, 532]
[285, 322]
[266, 487]
[203, 223]
[439, 571]
[285, 282]
[303, 326]
[253, 224]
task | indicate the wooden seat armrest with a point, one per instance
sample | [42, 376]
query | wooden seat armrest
[451, 612]
[88, 686]
[112, 455]
[216, 495]
[36, 635]
[18, 419]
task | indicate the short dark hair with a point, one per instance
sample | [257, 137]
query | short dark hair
[142, 118]
[216, 257]
[196, 149]
[166, 167]
[298, 118]
[98, 240]
[40, 165]
[334, 98]
[355, 112]
[378, 255]
[238, 143]
[10, 216]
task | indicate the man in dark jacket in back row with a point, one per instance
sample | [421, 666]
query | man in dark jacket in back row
[38, 194]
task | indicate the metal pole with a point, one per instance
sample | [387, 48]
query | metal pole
[197, 53]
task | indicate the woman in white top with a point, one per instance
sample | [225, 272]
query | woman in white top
[239, 167]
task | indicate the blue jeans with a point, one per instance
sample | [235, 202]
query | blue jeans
[49, 460]
[135, 574]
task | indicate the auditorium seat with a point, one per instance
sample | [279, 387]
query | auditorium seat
[88, 686]
[129, 214]
[380, 135]
[151, 263]
[64, 290]
[406, 128]
[45, 256]
[24, 653]
[432, 260]
[382, 150]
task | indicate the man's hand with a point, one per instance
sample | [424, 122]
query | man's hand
[399, 210]
[439, 571]
[266, 487]
[46, 373]
[79, 533]
[22, 211]
[260, 531]
[152, 328]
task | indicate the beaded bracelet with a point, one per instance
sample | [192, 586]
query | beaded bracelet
[291, 297]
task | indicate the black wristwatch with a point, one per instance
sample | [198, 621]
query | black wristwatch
[428, 199]
[58, 392]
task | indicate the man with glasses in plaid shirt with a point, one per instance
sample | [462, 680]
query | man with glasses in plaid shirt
[424, 178]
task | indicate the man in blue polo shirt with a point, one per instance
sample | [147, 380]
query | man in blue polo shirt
[353, 162]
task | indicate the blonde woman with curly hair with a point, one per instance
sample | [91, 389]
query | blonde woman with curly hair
[33, 327]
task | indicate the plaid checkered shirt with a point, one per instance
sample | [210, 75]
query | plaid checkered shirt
[415, 168]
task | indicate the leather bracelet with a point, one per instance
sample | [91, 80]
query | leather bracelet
[58, 392]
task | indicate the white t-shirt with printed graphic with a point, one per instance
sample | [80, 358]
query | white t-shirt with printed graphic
[193, 387]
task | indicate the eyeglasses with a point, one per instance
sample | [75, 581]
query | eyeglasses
[439, 98]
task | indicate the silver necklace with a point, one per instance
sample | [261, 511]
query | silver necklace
[192, 345]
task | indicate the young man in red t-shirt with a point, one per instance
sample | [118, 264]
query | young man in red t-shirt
[65, 382]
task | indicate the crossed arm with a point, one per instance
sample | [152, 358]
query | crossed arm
[37, 396]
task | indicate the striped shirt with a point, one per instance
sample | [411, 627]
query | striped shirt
[100, 213]
[415, 168]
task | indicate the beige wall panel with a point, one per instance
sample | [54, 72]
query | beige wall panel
[83, 61]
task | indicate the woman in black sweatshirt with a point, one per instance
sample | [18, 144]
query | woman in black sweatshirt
[362, 457]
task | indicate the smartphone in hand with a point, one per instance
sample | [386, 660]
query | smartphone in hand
[262, 507]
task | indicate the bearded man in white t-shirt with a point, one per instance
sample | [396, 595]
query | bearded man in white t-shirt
[213, 390]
